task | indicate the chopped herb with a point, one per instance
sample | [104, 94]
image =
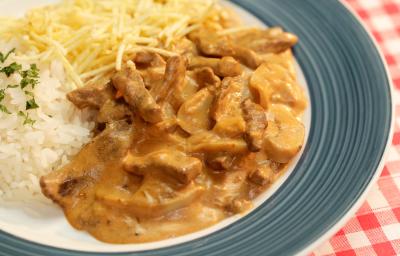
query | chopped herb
[24, 83]
[29, 93]
[28, 81]
[31, 104]
[11, 69]
[4, 109]
[2, 94]
[3, 57]
[30, 77]
[34, 71]
[27, 119]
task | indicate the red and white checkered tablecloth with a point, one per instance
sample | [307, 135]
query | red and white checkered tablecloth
[375, 229]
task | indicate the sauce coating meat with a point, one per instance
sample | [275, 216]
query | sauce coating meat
[183, 142]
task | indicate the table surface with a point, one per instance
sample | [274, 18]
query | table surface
[375, 228]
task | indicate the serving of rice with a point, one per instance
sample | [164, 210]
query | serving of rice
[29, 151]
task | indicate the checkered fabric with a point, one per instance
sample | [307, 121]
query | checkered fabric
[375, 229]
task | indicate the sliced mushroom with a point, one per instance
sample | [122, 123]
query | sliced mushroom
[284, 136]
[260, 86]
[228, 66]
[193, 115]
[154, 198]
[209, 142]
[273, 83]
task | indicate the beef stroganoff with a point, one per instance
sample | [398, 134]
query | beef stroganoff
[192, 115]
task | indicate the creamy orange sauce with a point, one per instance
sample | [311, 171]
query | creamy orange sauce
[183, 153]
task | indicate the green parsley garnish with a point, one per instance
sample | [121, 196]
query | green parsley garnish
[30, 78]
[3, 57]
[29, 93]
[2, 94]
[11, 69]
[31, 104]
[4, 109]
[27, 119]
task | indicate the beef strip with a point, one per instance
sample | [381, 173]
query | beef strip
[93, 96]
[224, 67]
[112, 111]
[248, 57]
[151, 67]
[131, 85]
[244, 46]
[219, 162]
[261, 175]
[205, 77]
[256, 123]
[217, 46]
[272, 40]
[144, 60]
[175, 164]
[67, 185]
[184, 47]
[152, 77]
[174, 79]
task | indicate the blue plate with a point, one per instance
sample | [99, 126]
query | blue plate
[351, 124]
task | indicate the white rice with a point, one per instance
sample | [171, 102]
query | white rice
[28, 152]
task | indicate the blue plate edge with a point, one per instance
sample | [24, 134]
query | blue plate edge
[362, 198]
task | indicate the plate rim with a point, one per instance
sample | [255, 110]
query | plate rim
[361, 199]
